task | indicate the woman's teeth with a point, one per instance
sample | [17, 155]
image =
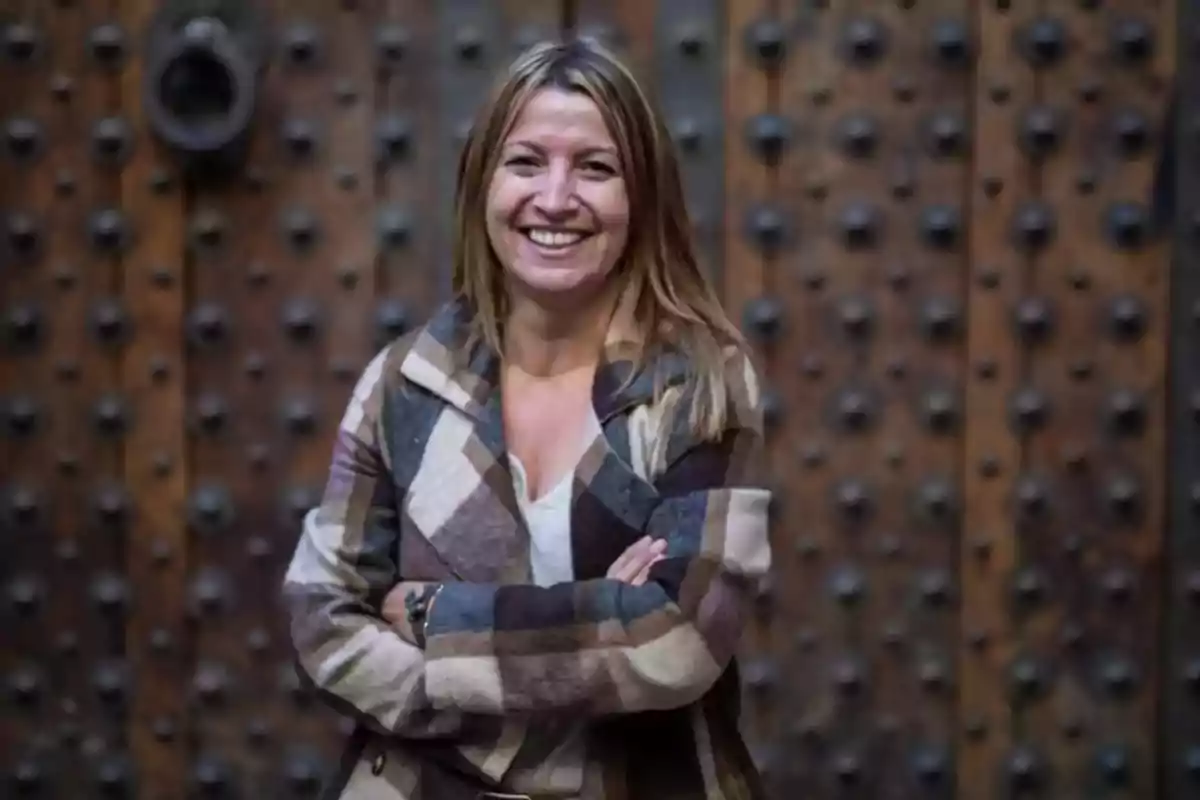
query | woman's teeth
[548, 238]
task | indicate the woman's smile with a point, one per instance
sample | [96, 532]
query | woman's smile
[555, 244]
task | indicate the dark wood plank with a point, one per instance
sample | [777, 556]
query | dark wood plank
[1001, 182]
[474, 43]
[676, 49]
[747, 184]
[29, 617]
[626, 27]
[69, 652]
[919, 95]
[1177, 195]
[1102, 565]
[410, 258]
[327, 279]
[819, 641]
[241, 281]
[688, 54]
[155, 457]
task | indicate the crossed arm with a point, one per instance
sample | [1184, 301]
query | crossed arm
[598, 646]
[608, 646]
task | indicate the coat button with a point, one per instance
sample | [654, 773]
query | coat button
[377, 764]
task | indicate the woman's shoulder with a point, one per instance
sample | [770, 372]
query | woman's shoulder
[428, 361]
[709, 398]
[728, 372]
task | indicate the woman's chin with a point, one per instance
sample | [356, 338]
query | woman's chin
[558, 279]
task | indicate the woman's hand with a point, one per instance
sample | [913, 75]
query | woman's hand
[394, 611]
[633, 566]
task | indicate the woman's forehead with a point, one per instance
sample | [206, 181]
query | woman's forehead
[553, 118]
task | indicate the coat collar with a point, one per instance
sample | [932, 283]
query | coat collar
[439, 362]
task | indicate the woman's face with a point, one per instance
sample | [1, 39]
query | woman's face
[557, 211]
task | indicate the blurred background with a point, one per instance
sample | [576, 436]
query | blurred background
[948, 226]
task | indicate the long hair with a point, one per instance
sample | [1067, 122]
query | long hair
[675, 306]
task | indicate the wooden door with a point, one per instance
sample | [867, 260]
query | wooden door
[952, 227]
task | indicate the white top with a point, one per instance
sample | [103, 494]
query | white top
[549, 522]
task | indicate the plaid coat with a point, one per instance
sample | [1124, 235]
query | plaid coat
[420, 489]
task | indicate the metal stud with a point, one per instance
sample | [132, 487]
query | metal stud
[1043, 41]
[767, 42]
[1127, 225]
[22, 42]
[1033, 318]
[23, 235]
[299, 136]
[302, 43]
[107, 44]
[860, 225]
[1132, 40]
[393, 134]
[394, 226]
[210, 509]
[1127, 317]
[1041, 131]
[765, 227]
[1029, 409]
[301, 319]
[391, 43]
[762, 317]
[768, 135]
[951, 42]
[946, 134]
[857, 134]
[392, 319]
[1130, 132]
[24, 138]
[112, 140]
[109, 231]
[114, 776]
[300, 228]
[212, 777]
[110, 680]
[863, 41]
[24, 326]
[208, 324]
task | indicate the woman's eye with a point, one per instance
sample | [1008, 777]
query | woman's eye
[521, 161]
[601, 167]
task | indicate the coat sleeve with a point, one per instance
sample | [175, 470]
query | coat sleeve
[605, 647]
[343, 565]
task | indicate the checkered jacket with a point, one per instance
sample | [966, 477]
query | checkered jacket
[591, 689]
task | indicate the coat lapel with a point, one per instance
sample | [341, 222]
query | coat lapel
[474, 523]
[464, 504]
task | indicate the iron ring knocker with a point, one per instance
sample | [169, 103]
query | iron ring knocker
[200, 93]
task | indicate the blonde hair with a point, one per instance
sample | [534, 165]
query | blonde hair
[674, 304]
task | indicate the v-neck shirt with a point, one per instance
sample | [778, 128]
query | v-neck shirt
[549, 521]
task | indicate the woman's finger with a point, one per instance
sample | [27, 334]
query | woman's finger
[644, 574]
[639, 570]
[627, 558]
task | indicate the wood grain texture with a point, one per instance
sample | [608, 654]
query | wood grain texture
[1102, 561]
[747, 92]
[960, 416]
[67, 586]
[1176, 200]
[410, 259]
[1001, 181]
[155, 455]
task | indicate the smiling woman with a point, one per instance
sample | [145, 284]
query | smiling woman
[558, 212]
[545, 512]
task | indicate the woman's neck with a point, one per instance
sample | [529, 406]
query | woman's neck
[545, 342]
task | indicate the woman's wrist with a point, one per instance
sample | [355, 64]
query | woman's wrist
[418, 603]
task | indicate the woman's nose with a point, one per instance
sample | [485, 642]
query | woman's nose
[556, 195]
